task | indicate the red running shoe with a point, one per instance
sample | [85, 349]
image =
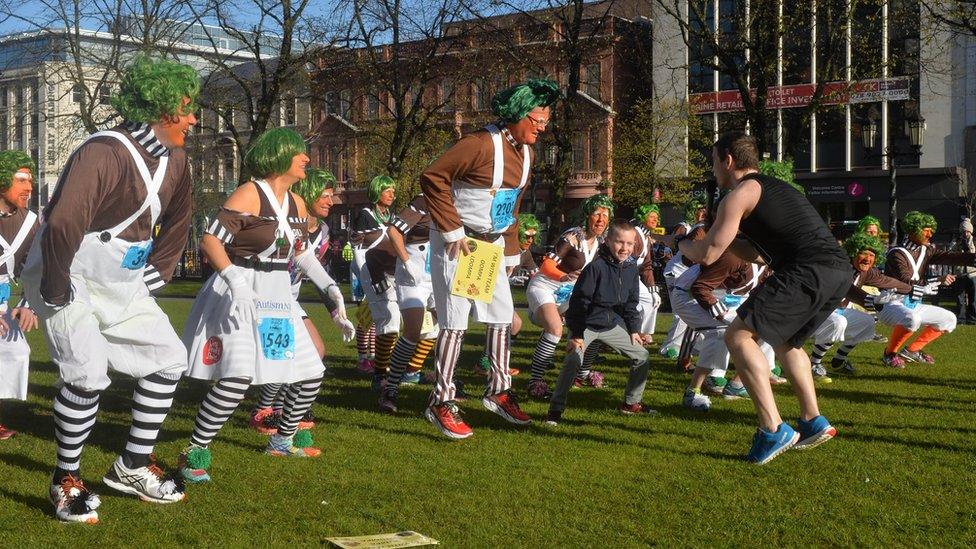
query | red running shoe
[6, 433]
[447, 418]
[264, 421]
[636, 408]
[506, 405]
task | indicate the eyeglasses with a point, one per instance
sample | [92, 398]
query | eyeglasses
[541, 124]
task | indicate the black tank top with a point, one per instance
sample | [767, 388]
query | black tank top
[786, 229]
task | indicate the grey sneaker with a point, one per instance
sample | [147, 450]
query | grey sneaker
[733, 391]
[148, 483]
[694, 400]
[820, 374]
[842, 367]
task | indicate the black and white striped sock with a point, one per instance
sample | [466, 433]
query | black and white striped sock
[499, 378]
[819, 350]
[266, 398]
[446, 356]
[74, 417]
[151, 402]
[843, 352]
[217, 407]
[545, 351]
[298, 401]
[279, 399]
[402, 353]
[589, 357]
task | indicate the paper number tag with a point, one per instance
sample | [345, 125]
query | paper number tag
[503, 209]
[4, 293]
[136, 256]
[277, 338]
[563, 293]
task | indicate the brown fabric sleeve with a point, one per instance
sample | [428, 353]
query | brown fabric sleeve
[958, 259]
[21, 256]
[897, 267]
[91, 174]
[410, 215]
[174, 228]
[435, 181]
[712, 277]
[874, 278]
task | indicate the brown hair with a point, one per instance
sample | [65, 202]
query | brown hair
[619, 225]
[741, 147]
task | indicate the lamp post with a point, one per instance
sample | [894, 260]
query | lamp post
[914, 129]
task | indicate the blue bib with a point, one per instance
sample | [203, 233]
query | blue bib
[136, 256]
[910, 303]
[427, 263]
[277, 338]
[4, 293]
[563, 293]
[503, 209]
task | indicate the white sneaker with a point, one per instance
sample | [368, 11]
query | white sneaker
[73, 502]
[696, 401]
[148, 483]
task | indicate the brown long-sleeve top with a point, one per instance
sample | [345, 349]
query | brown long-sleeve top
[469, 164]
[413, 222]
[898, 266]
[872, 277]
[10, 225]
[729, 273]
[99, 188]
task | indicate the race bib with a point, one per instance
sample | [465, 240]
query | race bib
[503, 209]
[136, 256]
[4, 292]
[732, 301]
[427, 262]
[277, 338]
[563, 293]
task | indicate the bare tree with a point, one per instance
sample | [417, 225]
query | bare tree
[958, 16]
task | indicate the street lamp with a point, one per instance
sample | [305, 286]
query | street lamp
[914, 129]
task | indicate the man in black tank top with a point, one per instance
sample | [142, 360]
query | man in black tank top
[765, 220]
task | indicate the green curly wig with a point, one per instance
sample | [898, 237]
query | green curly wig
[692, 207]
[512, 104]
[592, 203]
[867, 221]
[377, 186]
[859, 242]
[527, 222]
[155, 88]
[915, 221]
[10, 163]
[641, 213]
[272, 152]
[316, 180]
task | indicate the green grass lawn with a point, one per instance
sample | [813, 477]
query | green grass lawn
[901, 472]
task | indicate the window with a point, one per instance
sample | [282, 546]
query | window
[447, 96]
[373, 105]
[35, 126]
[18, 95]
[591, 84]
[482, 95]
[579, 163]
[331, 103]
[104, 95]
[290, 107]
[3, 97]
[345, 103]
[594, 158]
[831, 138]
[228, 164]
[4, 130]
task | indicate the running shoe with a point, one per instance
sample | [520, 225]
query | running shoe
[447, 418]
[892, 360]
[264, 421]
[73, 502]
[766, 445]
[669, 352]
[695, 400]
[637, 408]
[6, 433]
[365, 366]
[148, 483]
[593, 379]
[715, 384]
[410, 378]
[379, 381]
[917, 356]
[513, 371]
[388, 402]
[879, 338]
[194, 462]
[553, 417]
[777, 380]
[814, 432]
[506, 405]
[733, 391]
[297, 445]
[820, 374]
[539, 390]
[842, 366]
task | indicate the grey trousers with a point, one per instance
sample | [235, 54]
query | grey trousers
[619, 339]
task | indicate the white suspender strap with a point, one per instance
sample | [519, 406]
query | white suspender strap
[152, 182]
[10, 249]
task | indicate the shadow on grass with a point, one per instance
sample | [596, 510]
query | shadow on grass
[26, 463]
[930, 403]
[39, 504]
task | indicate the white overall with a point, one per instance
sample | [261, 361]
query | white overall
[14, 350]
[672, 270]
[112, 321]
[382, 306]
[897, 312]
[650, 298]
[542, 289]
[452, 310]
[272, 348]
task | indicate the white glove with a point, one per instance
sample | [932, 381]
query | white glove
[241, 295]
[347, 328]
[335, 294]
[411, 274]
[729, 316]
[518, 280]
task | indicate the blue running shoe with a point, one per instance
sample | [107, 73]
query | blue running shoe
[411, 378]
[766, 446]
[814, 432]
